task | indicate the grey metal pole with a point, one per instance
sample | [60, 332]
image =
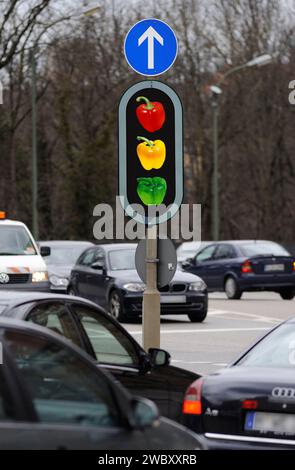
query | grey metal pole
[151, 296]
[215, 175]
[34, 149]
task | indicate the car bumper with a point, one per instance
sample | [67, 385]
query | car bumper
[193, 303]
[28, 286]
[216, 441]
[265, 282]
[58, 290]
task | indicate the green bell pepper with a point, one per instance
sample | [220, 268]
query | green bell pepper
[151, 190]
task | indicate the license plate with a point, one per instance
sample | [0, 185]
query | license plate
[279, 423]
[173, 299]
[274, 267]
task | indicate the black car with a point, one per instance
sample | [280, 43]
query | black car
[62, 258]
[106, 275]
[102, 337]
[53, 396]
[250, 404]
[245, 265]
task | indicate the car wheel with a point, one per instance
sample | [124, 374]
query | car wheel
[197, 317]
[287, 294]
[116, 308]
[232, 289]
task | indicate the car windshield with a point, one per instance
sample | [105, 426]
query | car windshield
[15, 240]
[276, 350]
[63, 255]
[252, 249]
[188, 253]
[122, 259]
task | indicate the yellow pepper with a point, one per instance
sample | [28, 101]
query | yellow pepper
[151, 154]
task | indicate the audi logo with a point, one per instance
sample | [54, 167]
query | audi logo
[283, 392]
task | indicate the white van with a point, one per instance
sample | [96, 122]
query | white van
[21, 264]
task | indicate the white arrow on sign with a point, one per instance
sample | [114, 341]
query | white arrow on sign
[151, 35]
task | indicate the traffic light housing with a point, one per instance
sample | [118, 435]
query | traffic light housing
[150, 151]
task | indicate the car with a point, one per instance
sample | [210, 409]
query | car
[53, 396]
[89, 327]
[63, 255]
[106, 275]
[21, 262]
[243, 266]
[188, 250]
[251, 403]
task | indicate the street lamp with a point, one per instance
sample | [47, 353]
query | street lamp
[86, 10]
[216, 92]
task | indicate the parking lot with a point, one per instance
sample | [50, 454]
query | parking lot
[231, 325]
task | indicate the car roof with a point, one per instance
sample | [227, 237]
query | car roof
[11, 297]
[240, 242]
[12, 222]
[193, 244]
[65, 242]
[117, 246]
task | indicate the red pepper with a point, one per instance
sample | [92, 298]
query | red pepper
[151, 115]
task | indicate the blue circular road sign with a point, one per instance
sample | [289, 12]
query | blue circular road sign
[150, 47]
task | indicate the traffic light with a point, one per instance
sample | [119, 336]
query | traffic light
[150, 151]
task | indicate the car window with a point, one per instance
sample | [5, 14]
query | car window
[276, 350]
[87, 258]
[63, 387]
[224, 251]
[206, 254]
[64, 254]
[99, 255]
[56, 317]
[15, 240]
[268, 248]
[121, 260]
[109, 343]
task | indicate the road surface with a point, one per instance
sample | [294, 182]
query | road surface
[231, 325]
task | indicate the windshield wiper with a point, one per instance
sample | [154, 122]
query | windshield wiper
[3, 253]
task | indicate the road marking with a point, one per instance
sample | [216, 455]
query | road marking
[208, 330]
[256, 317]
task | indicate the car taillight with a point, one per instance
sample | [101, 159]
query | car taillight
[247, 267]
[250, 404]
[293, 265]
[192, 400]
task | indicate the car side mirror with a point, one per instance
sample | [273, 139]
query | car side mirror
[98, 266]
[144, 413]
[160, 357]
[45, 251]
[188, 263]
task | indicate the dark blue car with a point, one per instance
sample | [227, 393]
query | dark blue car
[245, 265]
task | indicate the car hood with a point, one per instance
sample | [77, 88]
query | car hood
[131, 275]
[60, 270]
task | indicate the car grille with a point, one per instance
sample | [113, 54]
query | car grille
[175, 287]
[18, 278]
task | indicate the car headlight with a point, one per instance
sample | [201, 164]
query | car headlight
[58, 281]
[40, 276]
[198, 286]
[134, 286]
